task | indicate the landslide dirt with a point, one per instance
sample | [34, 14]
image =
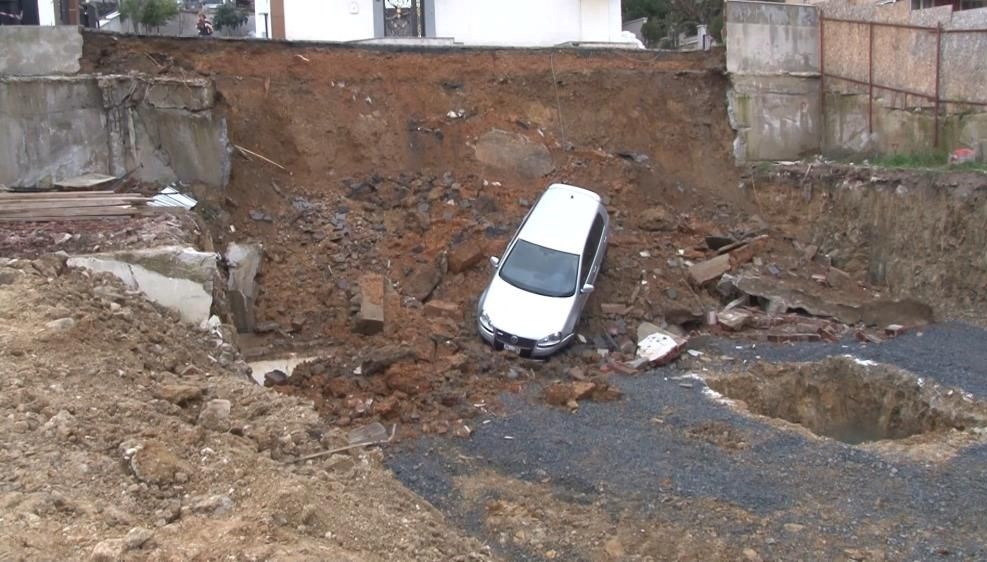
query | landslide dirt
[125, 435]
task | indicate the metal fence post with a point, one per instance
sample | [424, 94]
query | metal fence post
[935, 142]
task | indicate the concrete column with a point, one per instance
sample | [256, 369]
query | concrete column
[378, 18]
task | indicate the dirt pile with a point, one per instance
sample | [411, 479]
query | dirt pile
[126, 435]
[908, 233]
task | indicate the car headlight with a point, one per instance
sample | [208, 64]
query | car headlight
[485, 322]
[553, 339]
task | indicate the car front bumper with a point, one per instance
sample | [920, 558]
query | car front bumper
[530, 350]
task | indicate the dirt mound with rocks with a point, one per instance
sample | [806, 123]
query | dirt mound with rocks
[126, 435]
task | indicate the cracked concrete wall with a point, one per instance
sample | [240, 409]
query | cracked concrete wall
[161, 129]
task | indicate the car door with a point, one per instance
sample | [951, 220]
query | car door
[601, 247]
[588, 268]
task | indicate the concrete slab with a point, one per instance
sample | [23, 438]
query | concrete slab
[177, 278]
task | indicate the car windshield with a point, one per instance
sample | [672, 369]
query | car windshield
[540, 270]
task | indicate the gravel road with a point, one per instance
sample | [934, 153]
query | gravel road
[667, 450]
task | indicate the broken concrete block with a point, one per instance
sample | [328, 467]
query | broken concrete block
[660, 348]
[464, 257]
[645, 329]
[726, 286]
[733, 319]
[709, 270]
[443, 309]
[370, 317]
[244, 262]
[177, 278]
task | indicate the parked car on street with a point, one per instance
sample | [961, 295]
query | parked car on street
[539, 287]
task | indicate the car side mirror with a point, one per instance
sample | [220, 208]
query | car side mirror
[494, 261]
[587, 289]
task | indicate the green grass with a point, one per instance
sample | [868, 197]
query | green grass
[922, 160]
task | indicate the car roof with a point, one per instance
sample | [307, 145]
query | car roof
[562, 218]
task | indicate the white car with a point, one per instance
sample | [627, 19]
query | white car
[539, 288]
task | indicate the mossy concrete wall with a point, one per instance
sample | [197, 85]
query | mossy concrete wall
[156, 129]
[773, 61]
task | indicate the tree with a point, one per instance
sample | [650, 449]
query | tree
[229, 17]
[148, 13]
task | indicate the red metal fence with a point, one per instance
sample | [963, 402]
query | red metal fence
[935, 96]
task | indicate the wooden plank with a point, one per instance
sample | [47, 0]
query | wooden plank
[22, 206]
[85, 180]
[70, 213]
[71, 200]
[43, 194]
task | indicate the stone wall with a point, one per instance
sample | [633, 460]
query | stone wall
[159, 129]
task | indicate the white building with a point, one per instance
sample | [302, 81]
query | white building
[525, 23]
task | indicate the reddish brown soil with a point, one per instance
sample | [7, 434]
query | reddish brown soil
[378, 178]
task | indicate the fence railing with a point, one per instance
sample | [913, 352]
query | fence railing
[934, 96]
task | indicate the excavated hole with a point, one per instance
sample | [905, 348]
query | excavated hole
[851, 401]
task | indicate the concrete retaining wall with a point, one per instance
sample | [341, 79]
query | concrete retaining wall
[30, 50]
[773, 60]
[161, 129]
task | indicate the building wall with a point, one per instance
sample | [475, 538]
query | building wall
[509, 22]
[470, 22]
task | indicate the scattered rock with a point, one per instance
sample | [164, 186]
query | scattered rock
[61, 325]
[422, 281]
[379, 360]
[110, 550]
[179, 394]
[244, 262]
[262, 216]
[153, 463]
[734, 319]
[709, 270]
[216, 415]
[656, 219]
[210, 505]
[612, 309]
[8, 277]
[443, 309]
[137, 537]
[465, 256]
[561, 394]
[275, 378]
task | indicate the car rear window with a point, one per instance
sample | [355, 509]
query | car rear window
[541, 270]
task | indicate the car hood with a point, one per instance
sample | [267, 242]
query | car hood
[525, 314]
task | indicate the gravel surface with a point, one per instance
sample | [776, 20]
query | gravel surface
[649, 451]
